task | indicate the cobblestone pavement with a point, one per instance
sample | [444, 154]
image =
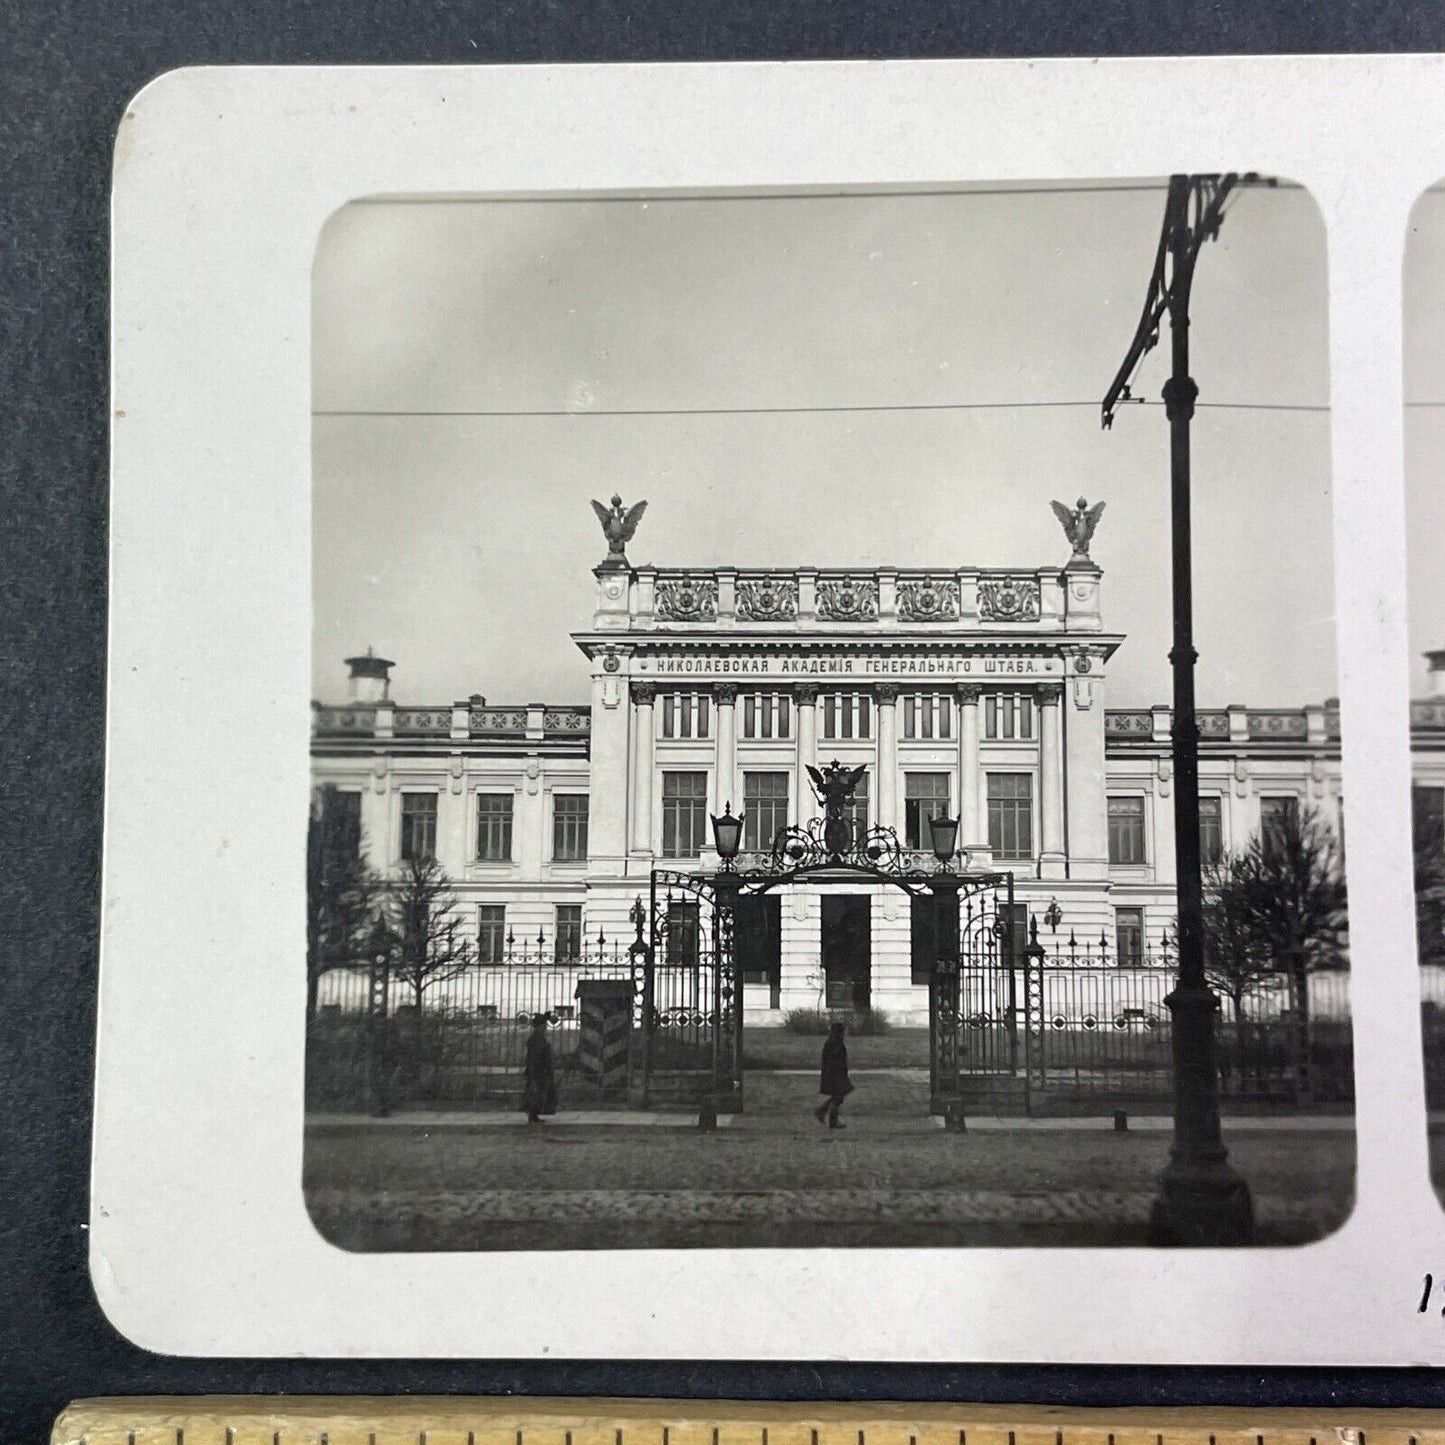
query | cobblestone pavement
[777, 1178]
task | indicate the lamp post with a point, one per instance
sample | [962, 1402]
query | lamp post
[944, 885]
[1053, 916]
[727, 833]
[1202, 1199]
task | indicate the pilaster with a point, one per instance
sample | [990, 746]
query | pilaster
[974, 827]
[725, 772]
[1087, 843]
[887, 699]
[611, 773]
[643, 695]
[1051, 781]
[805, 698]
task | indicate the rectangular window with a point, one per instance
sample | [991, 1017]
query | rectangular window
[491, 933]
[1211, 829]
[684, 934]
[1008, 716]
[569, 827]
[766, 715]
[925, 796]
[340, 821]
[1129, 936]
[847, 715]
[1011, 815]
[856, 810]
[765, 798]
[418, 826]
[927, 715]
[757, 944]
[684, 814]
[569, 932]
[494, 827]
[1126, 830]
[1278, 819]
[685, 715]
[1428, 808]
[923, 935]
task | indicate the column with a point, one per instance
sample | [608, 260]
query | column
[973, 830]
[643, 694]
[1051, 780]
[726, 771]
[887, 780]
[805, 698]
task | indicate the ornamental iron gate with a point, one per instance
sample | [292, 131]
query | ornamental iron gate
[690, 993]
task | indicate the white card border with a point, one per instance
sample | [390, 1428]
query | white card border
[200, 1243]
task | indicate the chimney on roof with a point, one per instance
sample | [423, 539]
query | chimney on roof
[370, 677]
[1436, 661]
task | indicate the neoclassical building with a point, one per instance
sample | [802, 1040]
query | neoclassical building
[979, 693]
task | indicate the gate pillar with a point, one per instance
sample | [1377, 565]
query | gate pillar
[944, 1012]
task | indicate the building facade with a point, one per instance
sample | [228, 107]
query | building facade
[976, 693]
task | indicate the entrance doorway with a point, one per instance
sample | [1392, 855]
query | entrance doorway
[848, 951]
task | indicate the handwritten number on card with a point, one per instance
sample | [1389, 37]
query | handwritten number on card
[1425, 1295]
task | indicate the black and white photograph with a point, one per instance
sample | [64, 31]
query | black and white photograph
[762, 788]
[1425, 500]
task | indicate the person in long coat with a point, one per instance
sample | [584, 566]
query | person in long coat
[539, 1082]
[834, 1083]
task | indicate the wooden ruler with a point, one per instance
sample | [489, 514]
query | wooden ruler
[443, 1420]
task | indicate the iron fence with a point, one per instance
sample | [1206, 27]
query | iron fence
[377, 1043]
[1099, 1025]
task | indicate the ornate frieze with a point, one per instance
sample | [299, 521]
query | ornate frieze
[566, 720]
[423, 720]
[497, 720]
[1213, 724]
[848, 599]
[1129, 724]
[921, 599]
[344, 719]
[1008, 599]
[687, 599]
[767, 599]
[1290, 725]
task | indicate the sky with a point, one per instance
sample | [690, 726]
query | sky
[777, 337]
[1425, 427]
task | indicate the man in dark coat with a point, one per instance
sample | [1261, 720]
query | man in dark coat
[539, 1083]
[835, 1082]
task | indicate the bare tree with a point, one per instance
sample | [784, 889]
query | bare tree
[1429, 888]
[1234, 961]
[343, 894]
[432, 946]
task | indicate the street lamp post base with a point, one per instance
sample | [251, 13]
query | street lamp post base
[1202, 1207]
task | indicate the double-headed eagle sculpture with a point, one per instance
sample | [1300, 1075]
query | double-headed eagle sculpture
[1079, 525]
[618, 526]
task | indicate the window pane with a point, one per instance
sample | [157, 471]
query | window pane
[1010, 815]
[684, 814]
[1129, 935]
[785, 717]
[1211, 829]
[340, 824]
[1026, 717]
[1278, 818]
[1126, 830]
[494, 827]
[491, 932]
[569, 932]
[418, 825]
[569, 827]
[765, 797]
[990, 715]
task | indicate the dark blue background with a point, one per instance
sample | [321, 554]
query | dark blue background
[66, 72]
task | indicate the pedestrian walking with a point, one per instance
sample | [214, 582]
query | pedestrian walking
[539, 1082]
[835, 1082]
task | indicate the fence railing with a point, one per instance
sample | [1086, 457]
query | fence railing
[1097, 1025]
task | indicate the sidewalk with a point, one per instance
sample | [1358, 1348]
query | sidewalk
[766, 1123]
